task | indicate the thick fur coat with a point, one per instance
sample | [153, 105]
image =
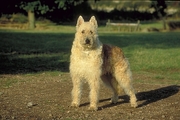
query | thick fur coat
[93, 62]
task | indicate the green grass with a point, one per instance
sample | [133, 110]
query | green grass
[156, 24]
[154, 55]
[150, 53]
[32, 52]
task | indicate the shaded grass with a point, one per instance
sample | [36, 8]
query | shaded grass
[34, 43]
[34, 62]
[154, 55]
[7, 80]
[134, 41]
[33, 52]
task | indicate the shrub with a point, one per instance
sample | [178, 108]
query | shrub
[19, 18]
[174, 25]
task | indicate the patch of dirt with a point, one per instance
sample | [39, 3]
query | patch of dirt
[50, 98]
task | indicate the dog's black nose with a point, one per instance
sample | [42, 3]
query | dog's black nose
[87, 41]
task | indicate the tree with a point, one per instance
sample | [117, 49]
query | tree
[65, 4]
[160, 6]
[33, 7]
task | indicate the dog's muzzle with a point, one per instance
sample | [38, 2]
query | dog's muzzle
[88, 41]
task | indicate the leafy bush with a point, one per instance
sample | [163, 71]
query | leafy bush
[19, 18]
[13, 18]
[174, 25]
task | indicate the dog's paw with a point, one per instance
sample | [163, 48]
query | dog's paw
[133, 102]
[93, 108]
[74, 105]
[134, 105]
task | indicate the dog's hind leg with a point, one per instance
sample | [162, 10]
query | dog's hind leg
[111, 83]
[124, 78]
[115, 89]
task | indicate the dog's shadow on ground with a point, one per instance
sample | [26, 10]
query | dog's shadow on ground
[146, 97]
[158, 94]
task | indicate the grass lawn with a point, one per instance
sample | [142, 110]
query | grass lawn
[154, 57]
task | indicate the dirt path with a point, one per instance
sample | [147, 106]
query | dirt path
[49, 99]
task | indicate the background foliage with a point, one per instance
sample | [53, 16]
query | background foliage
[68, 10]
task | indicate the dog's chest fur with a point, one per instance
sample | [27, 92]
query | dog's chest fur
[86, 62]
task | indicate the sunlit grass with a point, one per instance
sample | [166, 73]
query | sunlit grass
[154, 56]
[155, 59]
[157, 24]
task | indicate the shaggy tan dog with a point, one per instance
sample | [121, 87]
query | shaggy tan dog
[94, 62]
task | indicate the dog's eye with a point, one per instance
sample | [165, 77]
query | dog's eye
[83, 31]
[91, 32]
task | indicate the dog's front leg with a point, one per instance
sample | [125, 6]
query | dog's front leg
[94, 93]
[76, 92]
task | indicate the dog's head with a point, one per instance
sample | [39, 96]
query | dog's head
[86, 33]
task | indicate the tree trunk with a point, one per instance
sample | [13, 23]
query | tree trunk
[164, 22]
[31, 19]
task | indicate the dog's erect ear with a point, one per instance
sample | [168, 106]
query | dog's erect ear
[93, 21]
[79, 21]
